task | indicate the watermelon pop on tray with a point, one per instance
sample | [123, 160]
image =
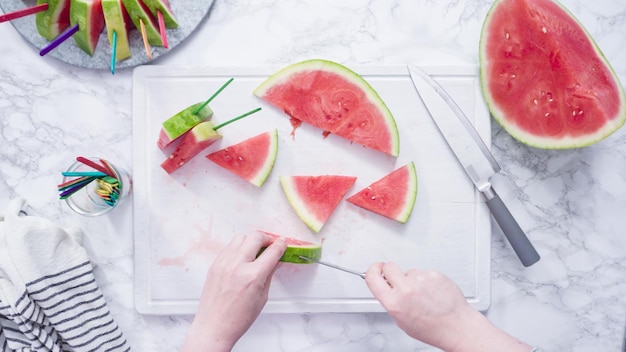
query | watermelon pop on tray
[117, 20]
[137, 11]
[163, 7]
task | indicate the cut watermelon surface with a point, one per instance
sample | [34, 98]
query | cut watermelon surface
[315, 198]
[544, 78]
[117, 20]
[54, 20]
[199, 138]
[137, 11]
[180, 123]
[90, 19]
[252, 159]
[392, 196]
[334, 98]
[296, 248]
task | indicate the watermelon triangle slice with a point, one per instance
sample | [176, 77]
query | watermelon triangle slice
[54, 20]
[392, 196]
[117, 20]
[334, 98]
[199, 138]
[252, 159]
[90, 19]
[137, 10]
[162, 6]
[314, 198]
[296, 248]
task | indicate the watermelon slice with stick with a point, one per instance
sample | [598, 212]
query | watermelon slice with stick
[334, 98]
[88, 15]
[315, 198]
[252, 159]
[392, 196]
[139, 12]
[296, 248]
[179, 124]
[54, 20]
[544, 79]
[199, 138]
[117, 20]
[163, 7]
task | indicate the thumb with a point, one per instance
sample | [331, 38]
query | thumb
[268, 260]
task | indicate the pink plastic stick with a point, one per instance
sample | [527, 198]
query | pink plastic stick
[162, 29]
[23, 12]
[58, 40]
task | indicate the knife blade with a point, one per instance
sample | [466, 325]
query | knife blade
[362, 275]
[473, 155]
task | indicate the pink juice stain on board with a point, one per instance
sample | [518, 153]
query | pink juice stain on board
[204, 247]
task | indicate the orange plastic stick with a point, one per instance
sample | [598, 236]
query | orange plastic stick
[162, 29]
[23, 12]
[145, 38]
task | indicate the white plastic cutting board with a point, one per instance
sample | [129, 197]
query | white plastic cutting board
[182, 220]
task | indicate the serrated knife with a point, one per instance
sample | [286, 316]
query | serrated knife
[474, 156]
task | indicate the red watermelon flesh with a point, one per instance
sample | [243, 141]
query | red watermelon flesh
[199, 138]
[252, 159]
[90, 19]
[545, 80]
[54, 20]
[332, 97]
[392, 196]
[296, 248]
[315, 198]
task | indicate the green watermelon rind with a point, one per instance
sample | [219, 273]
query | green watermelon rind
[283, 74]
[548, 142]
[46, 21]
[80, 13]
[114, 19]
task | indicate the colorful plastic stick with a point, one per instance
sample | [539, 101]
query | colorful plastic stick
[113, 52]
[212, 96]
[145, 38]
[58, 40]
[162, 29]
[95, 166]
[23, 12]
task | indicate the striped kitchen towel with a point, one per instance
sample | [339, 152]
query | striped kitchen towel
[49, 299]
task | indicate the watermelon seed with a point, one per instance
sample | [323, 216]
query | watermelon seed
[507, 35]
[535, 101]
[547, 114]
[543, 29]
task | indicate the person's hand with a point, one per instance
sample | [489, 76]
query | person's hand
[430, 307]
[234, 293]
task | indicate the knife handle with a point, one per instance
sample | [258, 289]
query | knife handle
[513, 232]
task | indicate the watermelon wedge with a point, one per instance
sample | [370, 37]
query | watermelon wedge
[544, 78]
[334, 98]
[156, 6]
[138, 10]
[54, 20]
[296, 248]
[314, 198]
[252, 159]
[90, 19]
[194, 142]
[183, 121]
[117, 20]
[392, 196]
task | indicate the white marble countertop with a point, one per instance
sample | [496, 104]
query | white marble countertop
[570, 203]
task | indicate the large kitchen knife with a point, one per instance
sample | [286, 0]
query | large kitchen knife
[474, 156]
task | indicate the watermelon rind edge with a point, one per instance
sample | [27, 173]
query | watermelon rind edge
[327, 65]
[545, 142]
[298, 205]
[267, 168]
[411, 195]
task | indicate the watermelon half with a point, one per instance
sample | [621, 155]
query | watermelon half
[392, 196]
[334, 98]
[90, 19]
[252, 159]
[54, 20]
[296, 248]
[314, 198]
[544, 78]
